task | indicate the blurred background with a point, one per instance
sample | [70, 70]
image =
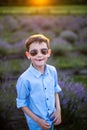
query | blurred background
[42, 2]
[65, 23]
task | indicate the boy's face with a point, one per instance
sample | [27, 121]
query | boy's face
[38, 53]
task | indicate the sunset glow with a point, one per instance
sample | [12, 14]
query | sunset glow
[39, 2]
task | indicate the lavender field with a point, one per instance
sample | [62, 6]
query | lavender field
[68, 36]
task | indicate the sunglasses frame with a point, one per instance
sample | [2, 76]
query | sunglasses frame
[43, 51]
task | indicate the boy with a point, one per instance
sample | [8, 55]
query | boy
[37, 88]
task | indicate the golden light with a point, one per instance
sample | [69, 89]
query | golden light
[39, 2]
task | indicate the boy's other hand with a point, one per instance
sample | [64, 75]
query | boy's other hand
[56, 118]
[43, 124]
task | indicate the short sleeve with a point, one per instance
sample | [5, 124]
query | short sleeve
[57, 86]
[22, 88]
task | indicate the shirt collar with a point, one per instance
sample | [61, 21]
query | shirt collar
[37, 73]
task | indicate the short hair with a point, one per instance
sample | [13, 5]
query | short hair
[37, 38]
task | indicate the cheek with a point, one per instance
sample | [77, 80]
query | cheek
[47, 57]
[32, 58]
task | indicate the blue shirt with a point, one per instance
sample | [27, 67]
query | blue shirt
[37, 91]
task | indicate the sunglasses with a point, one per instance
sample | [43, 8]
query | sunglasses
[43, 51]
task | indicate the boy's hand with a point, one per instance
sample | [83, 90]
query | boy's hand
[56, 118]
[43, 124]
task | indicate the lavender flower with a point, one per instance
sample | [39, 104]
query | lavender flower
[73, 95]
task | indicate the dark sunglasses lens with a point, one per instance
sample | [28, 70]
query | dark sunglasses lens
[44, 51]
[33, 52]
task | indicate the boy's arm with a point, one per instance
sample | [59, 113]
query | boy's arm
[58, 110]
[57, 114]
[42, 123]
[57, 103]
[30, 113]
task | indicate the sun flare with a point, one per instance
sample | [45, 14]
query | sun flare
[39, 2]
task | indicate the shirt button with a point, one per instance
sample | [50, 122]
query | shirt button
[47, 98]
[45, 88]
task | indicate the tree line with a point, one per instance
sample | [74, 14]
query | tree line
[52, 2]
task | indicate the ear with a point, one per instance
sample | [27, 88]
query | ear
[27, 54]
[49, 52]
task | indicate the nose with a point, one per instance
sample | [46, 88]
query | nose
[39, 53]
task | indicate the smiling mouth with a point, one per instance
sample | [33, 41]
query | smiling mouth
[39, 59]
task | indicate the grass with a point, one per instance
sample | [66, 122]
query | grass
[44, 10]
[66, 62]
[81, 78]
[14, 67]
